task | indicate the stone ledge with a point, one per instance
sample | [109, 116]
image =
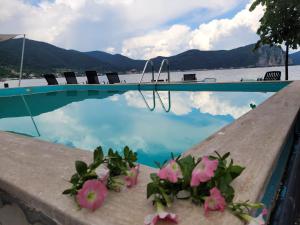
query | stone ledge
[35, 171]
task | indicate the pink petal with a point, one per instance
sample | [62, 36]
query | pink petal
[170, 172]
[95, 188]
[215, 202]
[132, 176]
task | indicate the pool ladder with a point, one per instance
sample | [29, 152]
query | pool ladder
[150, 62]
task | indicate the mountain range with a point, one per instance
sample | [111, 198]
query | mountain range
[42, 58]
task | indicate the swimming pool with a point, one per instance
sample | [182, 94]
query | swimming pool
[84, 118]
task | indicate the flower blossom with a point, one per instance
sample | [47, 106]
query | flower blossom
[170, 172]
[92, 194]
[259, 220]
[204, 171]
[160, 215]
[103, 173]
[132, 176]
[215, 202]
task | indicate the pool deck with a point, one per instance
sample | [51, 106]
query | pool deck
[264, 86]
[35, 171]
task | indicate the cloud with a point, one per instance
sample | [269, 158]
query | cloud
[216, 34]
[158, 43]
[207, 102]
[103, 24]
[213, 103]
[228, 33]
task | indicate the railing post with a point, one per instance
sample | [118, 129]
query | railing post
[22, 58]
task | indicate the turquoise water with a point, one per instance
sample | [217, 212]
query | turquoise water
[87, 119]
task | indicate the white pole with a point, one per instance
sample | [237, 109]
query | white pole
[21, 66]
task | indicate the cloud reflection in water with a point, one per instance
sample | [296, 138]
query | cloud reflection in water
[123, 119]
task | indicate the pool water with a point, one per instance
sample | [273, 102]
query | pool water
[87, 119]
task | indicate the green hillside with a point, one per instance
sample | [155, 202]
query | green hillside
[42, 58]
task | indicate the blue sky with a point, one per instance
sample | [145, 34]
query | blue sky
[136, 28]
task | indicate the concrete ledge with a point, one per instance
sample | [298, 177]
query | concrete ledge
[35, 171]
[264, 86]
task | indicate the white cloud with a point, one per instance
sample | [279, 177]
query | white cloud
[101, 24]
[184, 103]
[163, 43]
[206, 102]
[217, 34]
[110, 50]
[68, 130]
[228, 33]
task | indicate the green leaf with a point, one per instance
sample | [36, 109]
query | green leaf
[226, 155]
[67, 192]
[81, 167]
[158, 164]
[236, 170]
[75, 178]
[228, 193]
[129, 156]
[187, 164]
[98, 154]
[89, 176]
[152, 188]
[94, 165]
[154, 177]
[219, 156]
[172, 155]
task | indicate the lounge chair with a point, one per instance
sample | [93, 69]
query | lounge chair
[160, 80]
[209, 80]
[70, 78]
[113, 78]
[189, 77]
[271, 75]
[92, 77]
[51, 79]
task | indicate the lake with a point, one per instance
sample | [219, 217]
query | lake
[221, 76]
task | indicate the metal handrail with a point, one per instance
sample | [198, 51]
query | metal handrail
[150, 108]
[162, 104]
[22, 58]
[30, 114]
[144, 70]
[161, 67]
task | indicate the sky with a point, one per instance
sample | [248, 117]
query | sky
[140, 29]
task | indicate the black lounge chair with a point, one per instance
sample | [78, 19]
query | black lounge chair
[51, 79]
[160, 80]
[209, 80]
[92, 77]
[189, 77]
[113, 78]
[70, 78]
[271, 75]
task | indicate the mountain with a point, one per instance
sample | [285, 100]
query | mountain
[196, 59]
[121, 62]
[295, 58]
[235, 58]
[42, 57]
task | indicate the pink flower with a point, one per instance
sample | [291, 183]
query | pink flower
[204, 171]
[215, 202]
[264, 212]
[132, 175]
[163, 216]
[103, 173]
[160, 215]
[170, 172]
[92, 194]
[259, 220]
